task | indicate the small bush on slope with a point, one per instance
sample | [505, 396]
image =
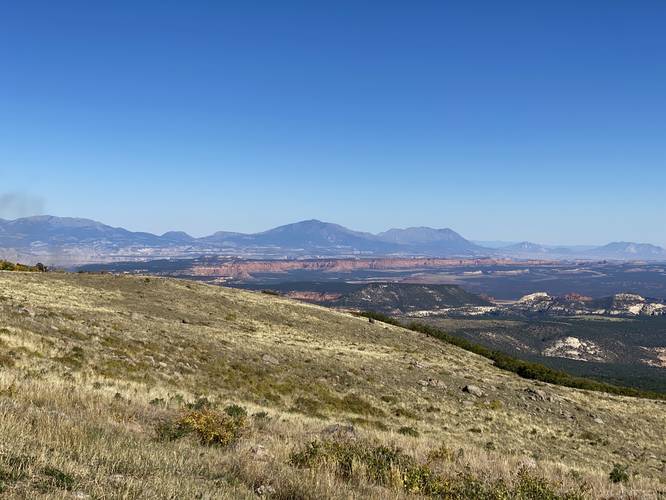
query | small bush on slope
[214, 428]
[211, 427]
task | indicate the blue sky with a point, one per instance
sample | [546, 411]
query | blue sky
[503, 120]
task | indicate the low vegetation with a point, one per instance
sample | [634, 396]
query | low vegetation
[390, 467]
[142, 387]
[10, 266]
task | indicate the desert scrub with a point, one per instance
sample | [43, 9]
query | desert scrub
[59, 479]
[379, 462]
[201, 403]
[390, 467]
[619, 474]
[235, 411]
[212, 427]
[383, 465]
[167, 430]
[408, 431]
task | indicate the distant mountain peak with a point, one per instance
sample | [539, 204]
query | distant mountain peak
[630, 250]
[421, 234]
[177, 236]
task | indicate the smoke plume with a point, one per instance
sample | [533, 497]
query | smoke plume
[14, 205]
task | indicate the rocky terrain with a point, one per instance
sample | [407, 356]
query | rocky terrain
[541, 303]
[249, 269]
[406, 298]
[620, 304]
[144, 387]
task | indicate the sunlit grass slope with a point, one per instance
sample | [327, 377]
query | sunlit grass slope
[114, 386]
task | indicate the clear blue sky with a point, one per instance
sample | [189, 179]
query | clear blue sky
[503, 120]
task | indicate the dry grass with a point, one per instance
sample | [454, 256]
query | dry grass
[92, 366]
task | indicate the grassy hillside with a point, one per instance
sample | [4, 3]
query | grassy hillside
[621, 351]
[114, 386]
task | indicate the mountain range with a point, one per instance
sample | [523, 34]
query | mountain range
[68, 241]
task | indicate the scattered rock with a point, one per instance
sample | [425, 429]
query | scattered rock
[432, 382]
[536, 394]
[528, 463]
[473, 390]
[260, 452]
[27, 310]
[265, 490]
[271, 360]
[598, 421]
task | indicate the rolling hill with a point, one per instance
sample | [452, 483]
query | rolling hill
[431, 241]
[629, 251]
[143, 387]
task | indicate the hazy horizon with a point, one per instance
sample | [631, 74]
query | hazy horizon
[514, 122]
[488, 243]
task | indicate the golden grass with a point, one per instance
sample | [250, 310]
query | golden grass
[82, 357]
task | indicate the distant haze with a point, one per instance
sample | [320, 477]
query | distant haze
[71, 241]
[14, 205]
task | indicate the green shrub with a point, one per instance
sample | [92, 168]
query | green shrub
[441, 454]
[495, 404]
[404, 412]
[201, 403]
[377, 316]
[170, 431]
[59, 478]
[308, 406]
[375, 424]
[235, 411]
[408, 431]
[619, 474]
[354, 403]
